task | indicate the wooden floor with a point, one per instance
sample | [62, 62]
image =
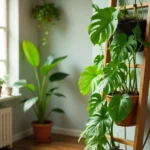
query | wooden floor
[59, 142]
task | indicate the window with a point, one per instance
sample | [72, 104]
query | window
[3, 38]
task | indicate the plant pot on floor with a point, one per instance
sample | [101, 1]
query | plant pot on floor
[130, 120]
[127, 26]
[42, 132]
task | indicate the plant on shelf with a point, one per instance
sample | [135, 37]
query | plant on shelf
[41, 96]
[45, 14]
[114, 85]
[3, 81]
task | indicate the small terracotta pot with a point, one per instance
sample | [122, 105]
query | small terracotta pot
[130, 120]
[42, 132]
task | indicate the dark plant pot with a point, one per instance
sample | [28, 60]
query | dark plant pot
[127, 27]
[42, 132]
[130, 120]
[0, 90]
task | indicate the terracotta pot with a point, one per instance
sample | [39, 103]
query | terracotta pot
[42, 132]
[130, 120]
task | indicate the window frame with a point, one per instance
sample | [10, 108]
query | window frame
[5, 28]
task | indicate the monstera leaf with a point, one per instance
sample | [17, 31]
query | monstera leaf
[114, 76]
[89, 79]
[122, 47]
[94, 102]
[99, 123]
[119, 107]
[103, 24]
[99, 60]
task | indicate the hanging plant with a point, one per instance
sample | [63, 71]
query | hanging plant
[45, 14]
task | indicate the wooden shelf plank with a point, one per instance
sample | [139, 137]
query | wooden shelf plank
[121, 140]
[129, 7]
[137, 66]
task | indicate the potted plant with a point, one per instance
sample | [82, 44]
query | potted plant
[41, 95]
[2, 81]
[114, 85]
[45, 14]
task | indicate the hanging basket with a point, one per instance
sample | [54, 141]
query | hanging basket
[130, 120]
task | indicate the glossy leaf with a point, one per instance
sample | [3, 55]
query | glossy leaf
[94, 103]
[99, 123]
[58, 110]
[89, 79]
[119, 107]
[31, 53]
[103, 24]
[58, 76]
[122, 47]
[99, 60]
[29, 103]
[50, 63]
[22, 83]
[114, 76]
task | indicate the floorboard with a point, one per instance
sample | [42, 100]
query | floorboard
[59, 142]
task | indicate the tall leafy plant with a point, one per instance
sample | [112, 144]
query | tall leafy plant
[41, 95]
[116, 78]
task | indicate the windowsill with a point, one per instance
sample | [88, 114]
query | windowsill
[5, 98]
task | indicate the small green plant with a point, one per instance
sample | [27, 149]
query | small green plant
[3, 80]
[41, 95]
[45, 14]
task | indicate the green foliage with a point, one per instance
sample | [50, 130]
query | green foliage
[122, 47]
[89, 79]
[113, 78]
[31, 53]
[119, 107]
[3, 80]
[50, 63]
[103, 25]
[40, 99]
[45, 14]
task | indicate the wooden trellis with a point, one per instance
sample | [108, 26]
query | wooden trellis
[137, 144]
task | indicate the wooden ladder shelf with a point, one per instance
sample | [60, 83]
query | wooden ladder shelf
[137, 144]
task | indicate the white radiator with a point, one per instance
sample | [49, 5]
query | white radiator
[5, 127]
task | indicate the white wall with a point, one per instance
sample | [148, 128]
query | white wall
[69, 37]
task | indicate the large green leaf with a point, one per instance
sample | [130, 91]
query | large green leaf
[31, 53]
[119, 107]
[58, 76]
[23, 83]
[50, 63]
[122, 47]
[29, 103]
[94, 103]
[89, 79]
[103, 24]
[114, 76]
[99, 123]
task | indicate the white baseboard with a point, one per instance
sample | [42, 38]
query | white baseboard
[69, 132]
[22, 135]
[63, 131]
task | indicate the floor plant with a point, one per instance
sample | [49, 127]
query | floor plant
[115, 78]
[41, 93]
